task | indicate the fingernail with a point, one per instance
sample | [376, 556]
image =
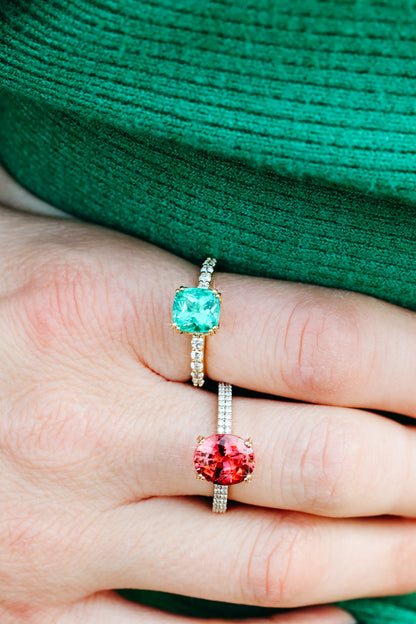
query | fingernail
[346, 619]
[342, 618]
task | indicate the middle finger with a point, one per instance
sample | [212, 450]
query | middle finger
[317, 459]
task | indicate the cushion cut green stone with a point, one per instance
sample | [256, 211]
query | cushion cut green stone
[196, 310]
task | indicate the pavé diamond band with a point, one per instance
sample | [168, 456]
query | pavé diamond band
[196, 311]
[224, 459]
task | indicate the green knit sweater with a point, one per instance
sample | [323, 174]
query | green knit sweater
[278, 135]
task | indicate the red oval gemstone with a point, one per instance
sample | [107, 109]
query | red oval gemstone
[224, 459]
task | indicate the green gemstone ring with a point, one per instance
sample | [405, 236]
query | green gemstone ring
[196, 311]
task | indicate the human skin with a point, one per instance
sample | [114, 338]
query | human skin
[98, 426]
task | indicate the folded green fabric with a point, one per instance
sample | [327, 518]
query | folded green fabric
[278, 136]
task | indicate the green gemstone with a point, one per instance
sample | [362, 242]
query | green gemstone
[196, 310]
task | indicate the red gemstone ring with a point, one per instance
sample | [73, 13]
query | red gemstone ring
[224, 459]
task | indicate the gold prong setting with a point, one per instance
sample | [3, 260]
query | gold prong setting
[224, 459]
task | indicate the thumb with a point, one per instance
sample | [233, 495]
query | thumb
[110, 608]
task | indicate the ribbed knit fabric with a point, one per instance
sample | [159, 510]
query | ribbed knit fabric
[278, 135]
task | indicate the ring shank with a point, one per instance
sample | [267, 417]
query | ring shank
[224, 420]
[219, 503]
[198, 340]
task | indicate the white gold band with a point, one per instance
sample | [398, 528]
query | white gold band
[219, 503]
[225, 394]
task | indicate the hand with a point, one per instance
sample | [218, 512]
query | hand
[97, 432]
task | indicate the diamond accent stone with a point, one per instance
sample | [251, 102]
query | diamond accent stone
[197, 366]
[219, 503]
[205, 275]
[197, 342]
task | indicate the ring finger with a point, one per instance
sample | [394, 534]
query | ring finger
[321, 460]
[254, 556]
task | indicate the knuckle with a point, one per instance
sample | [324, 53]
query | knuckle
[23, 612]
[318, 464]
[20, 535]
[22, 541]
[37, 441]
[321, 347]
[64, 301]
[57, 436]
[35, 547]
[278, 573]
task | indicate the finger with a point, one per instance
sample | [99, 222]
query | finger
[104, 420]
[317, 615]
[109, 608]
[100, 373]
[305, 342]
[266, 558]
[16, 197]
[324, 460]
[315, 344]
[317, 459]
[321, 460]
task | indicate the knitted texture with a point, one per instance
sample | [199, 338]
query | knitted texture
[278, 136]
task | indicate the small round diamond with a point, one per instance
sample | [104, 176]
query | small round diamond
[197, 342]
[197, 366]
